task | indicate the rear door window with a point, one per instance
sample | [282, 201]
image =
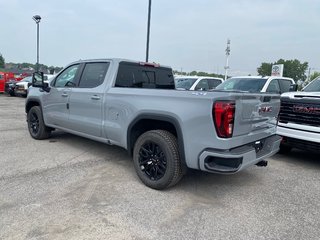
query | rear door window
[93, 74]
[273, 86]
[202, 85]
[213, 83]
[284, 85]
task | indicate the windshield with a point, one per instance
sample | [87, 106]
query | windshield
[185, 83]
[243, 84]
[314, 86]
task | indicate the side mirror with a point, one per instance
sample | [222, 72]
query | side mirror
[293, 88]
[37, 80]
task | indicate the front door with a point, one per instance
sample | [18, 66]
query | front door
[56, 102]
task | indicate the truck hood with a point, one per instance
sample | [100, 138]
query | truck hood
[25, 84]
[301, 95]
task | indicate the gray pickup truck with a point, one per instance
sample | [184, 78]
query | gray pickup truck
[134, 105]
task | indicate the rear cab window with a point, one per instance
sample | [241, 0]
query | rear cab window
[135, 75]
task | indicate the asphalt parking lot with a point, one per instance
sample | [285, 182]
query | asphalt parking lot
[68, 187]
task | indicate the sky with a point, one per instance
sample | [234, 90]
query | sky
[185, 34]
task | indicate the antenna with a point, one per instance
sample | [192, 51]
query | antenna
[227, 59]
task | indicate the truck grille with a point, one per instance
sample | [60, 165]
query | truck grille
[303, 112]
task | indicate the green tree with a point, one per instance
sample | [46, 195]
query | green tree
[265, 69]
[292, 68]
[314, 75]
[2, 62]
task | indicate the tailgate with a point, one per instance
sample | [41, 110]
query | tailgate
[256, 114]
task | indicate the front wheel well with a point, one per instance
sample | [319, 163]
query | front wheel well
[31, 104]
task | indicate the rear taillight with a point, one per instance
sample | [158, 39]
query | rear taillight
[223, 115]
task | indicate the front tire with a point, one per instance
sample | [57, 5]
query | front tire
[156, 159]
[36, 126]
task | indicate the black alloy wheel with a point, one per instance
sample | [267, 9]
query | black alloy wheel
[34, 123]
[156, 159]
[152, 161]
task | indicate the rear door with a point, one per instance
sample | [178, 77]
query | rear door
[86, 100]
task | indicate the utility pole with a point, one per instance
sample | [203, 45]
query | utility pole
[148, 32]
[227, 59]
[308, 78]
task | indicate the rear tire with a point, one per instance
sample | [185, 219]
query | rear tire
[36, 126]
[156, 159]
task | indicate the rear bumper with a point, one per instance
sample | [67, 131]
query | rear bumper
[237, 159]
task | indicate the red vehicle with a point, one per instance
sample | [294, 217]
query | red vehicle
[4, 77]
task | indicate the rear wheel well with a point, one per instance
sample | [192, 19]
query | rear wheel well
[146, 124]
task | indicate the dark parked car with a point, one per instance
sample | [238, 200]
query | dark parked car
[10, 86]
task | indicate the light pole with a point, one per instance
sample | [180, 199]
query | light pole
[37, 19]
[148, 32]
[227, 59]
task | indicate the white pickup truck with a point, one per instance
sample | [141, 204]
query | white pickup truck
[197, 83]
[135, 105]
[299, 119]
[270, 84]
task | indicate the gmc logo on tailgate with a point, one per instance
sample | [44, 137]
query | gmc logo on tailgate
[265, 109]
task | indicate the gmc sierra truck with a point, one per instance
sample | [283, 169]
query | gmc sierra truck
[299, 119]
[135, 105]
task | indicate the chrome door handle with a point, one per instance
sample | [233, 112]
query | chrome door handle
[64, 95]
[95, 97]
